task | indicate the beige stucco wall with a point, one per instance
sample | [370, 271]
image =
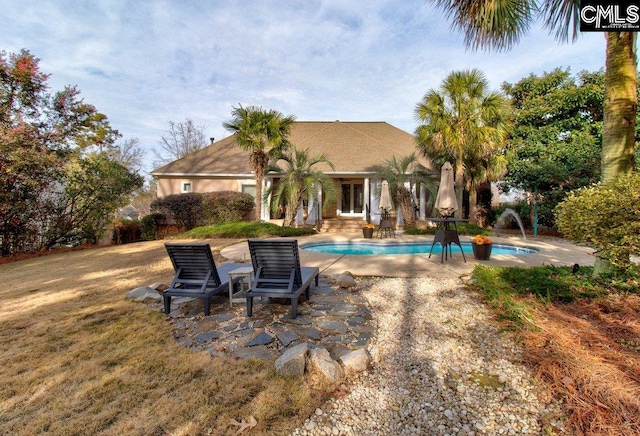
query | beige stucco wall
[170, 186]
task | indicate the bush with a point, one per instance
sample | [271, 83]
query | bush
[184, 209]
[150, 224]
[226, 207]
[606, 217]
[126, 231]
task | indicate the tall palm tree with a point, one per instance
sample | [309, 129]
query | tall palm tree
[500, 25]
[462, 122]
[403, 174]
[263, 133]
[300, 179]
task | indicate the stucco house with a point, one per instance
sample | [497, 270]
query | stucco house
[356, 149]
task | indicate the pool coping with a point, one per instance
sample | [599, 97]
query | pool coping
[551, 251]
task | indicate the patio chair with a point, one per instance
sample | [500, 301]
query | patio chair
[278, 273]
[197, 275]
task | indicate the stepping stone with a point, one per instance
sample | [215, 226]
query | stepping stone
[310, 333]
[332, 326]
[222, 317]
[205, 337]
[263, 338]
[287, 337]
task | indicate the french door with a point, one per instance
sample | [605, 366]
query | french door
[352, 198]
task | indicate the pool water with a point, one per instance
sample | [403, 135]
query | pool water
[370, 249]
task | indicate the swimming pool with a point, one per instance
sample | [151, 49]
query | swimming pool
[371, 249]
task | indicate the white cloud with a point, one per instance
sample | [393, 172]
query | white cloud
[145, 63]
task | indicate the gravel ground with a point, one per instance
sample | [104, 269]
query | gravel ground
[439, 367]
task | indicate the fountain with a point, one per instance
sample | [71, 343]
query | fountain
[509, 211]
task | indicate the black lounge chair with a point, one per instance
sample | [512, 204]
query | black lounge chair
[278, 273]
[197, 275]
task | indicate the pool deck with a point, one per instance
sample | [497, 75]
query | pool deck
[551, 251]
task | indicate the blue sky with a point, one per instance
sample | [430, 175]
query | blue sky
[143, 63]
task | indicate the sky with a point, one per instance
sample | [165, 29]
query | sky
[145, 63]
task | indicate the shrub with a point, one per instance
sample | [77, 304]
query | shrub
[606, 217]
[150, 224]
[226, 207]
[126, 231]
[184, 209]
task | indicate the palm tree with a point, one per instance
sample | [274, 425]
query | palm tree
[499, 25]
[403, 174]
[300, 179]
[264, 134]
[463, 122]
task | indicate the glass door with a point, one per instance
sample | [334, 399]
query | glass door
[352, 199]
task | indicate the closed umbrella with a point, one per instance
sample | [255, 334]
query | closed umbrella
[385, 197]
[446, 201]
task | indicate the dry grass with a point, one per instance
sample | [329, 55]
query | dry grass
[77, 358]
[589, 354]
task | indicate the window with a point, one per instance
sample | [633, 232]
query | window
[249, 189]
[187, 187]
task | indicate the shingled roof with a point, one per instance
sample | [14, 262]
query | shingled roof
[352, 147]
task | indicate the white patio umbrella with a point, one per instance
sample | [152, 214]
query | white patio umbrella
[385, 197]
[446, 201]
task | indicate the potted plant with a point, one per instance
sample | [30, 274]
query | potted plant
[367, 230]
[481, 246]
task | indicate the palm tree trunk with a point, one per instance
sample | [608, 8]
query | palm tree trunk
[620, 104]
[473, 205]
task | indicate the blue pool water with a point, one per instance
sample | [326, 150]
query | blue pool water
[370, 249]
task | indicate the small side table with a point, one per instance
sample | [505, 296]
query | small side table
[245, 272]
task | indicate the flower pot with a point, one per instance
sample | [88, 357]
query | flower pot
[481, 252]
[367, 232]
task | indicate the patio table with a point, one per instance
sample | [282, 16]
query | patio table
[446, 235]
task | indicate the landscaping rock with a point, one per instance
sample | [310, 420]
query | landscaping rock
[292, 361]
[345, 281]
[262, 338]
[356, 361]
[144, 294]
[321, 361]
[286, 337]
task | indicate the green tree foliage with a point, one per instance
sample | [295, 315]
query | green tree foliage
[43, 135]
[300, 179]
[607, 217]
[464, 123]
[263, 133]
[403, 174]
[555, 141]
[500, 25]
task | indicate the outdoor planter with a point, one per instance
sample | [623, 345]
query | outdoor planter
[481, 246]
[367, 232]
[481, 252]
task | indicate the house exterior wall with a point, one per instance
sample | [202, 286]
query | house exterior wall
[170, 186]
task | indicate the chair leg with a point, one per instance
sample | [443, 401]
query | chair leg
[294, 308]
[207, 306]
[316, 280]
[249, 306]
[167, 304]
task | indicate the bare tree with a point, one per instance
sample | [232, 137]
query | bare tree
[129, 154]
[180, 140]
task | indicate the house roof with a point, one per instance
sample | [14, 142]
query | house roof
[352, 147]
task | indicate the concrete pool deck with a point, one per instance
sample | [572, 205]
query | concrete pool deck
[551, 251]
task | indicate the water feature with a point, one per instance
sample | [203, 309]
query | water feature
[373, 248]
[508, 211]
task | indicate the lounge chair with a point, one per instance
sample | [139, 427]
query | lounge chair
[196, 274]
[278, 273]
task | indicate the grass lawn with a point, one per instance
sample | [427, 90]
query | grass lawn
[77, 358]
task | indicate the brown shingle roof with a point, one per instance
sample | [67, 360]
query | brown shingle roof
[352, 147]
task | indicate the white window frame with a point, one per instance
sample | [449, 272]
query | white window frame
[186, 187]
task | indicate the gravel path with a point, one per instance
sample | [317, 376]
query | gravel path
[440, 367]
